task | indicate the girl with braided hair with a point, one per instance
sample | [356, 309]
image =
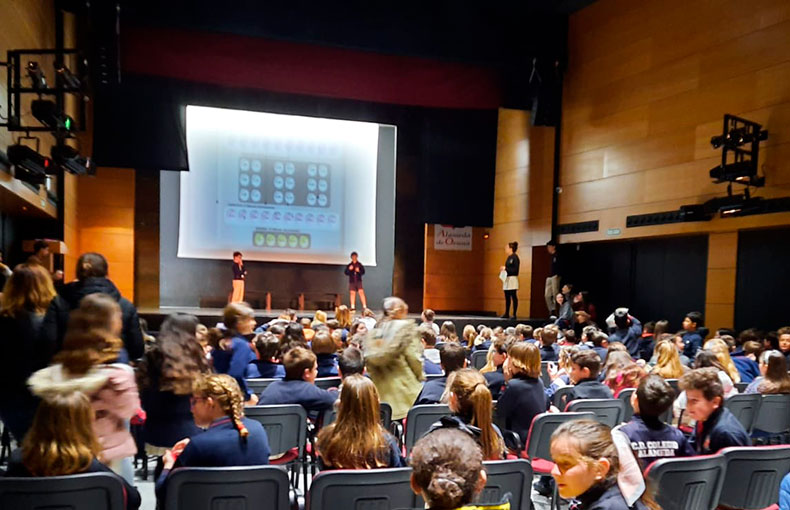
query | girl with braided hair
[447, 471]
[230, 439]
[469, 399]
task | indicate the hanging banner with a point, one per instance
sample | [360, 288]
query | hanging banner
[449, 238]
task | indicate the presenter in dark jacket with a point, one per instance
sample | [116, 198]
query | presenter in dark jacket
[230, 439]
[354, 271]
[524, 396]
[239, 275]
[510, 285]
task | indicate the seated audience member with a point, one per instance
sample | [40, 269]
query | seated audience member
[626, 329]
[668, 363]
[717, 427]
[582, 320]
[233, 353]
[548, 346]
[343, 318]
[629, 376]
[692, 340]
[680, 345]
[298, 387]
[431, 363]
[356, 439]
[447, 471]
[350, 362]
[565, 313]
[718, 347]
[357, 328]
[307, 329]
[268, 364]
[165, 376]
[586, 467]
[470, 402]
[293, 337]
[277, 330]
[585, 366]
[469, 335]
[560, 374]
[745, 358]
[86, 364]
[615, 362]
[453, 358]
[61, 441]
[324, 349]
[774, 377]
[523, 397]
[427, 320]
[599, 341]
[319, 318]
[447, 332]
[651, 439]
[646, 342]
[495, 378]
[705, 359]
[525, 333]
[784, 341]
[230, 439]
[483, 340]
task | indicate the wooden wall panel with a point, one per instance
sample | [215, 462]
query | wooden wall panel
[452, 279]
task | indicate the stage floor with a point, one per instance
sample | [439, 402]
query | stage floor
[210, 317]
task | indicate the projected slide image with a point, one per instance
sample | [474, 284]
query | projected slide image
[278, 187]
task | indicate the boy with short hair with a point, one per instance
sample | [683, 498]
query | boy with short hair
[350, 362]
[549, 350]
[717, 427]
[298, 387]
[524, 333]
[452, 357]
[691, 338]
[598, 339]
[268, 363]
[431, 363]
[650, 438]
[585, 366]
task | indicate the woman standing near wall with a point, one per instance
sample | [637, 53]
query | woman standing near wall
[510, 283]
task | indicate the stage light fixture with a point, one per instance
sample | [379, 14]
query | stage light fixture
[48, 113]
[65, 78]
[36, 75]
[69, 159]
[29, 165]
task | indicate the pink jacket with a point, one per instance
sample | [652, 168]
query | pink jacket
[113, 393]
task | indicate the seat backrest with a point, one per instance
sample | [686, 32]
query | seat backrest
[286, 425]
[543, 426]
[479, 359]
[741, 386]
[774, 414]
[675, 383]
[625, 396]
[420, 419]
[327, 382]
[258, 385]
[560, 398]
[688, 482]
[753, 475]
[513, 476]
[745, 407]
[373, 489]
[242, 488]
[385, 412]
[544, 373]
[609, 411]
[97, 491]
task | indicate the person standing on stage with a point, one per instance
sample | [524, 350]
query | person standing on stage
[355, 270]
[239, 274]
[552, 287]
[510, 284]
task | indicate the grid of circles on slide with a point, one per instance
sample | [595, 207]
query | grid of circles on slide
[280, 182]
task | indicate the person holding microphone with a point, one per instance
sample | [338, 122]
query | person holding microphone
[239, 274]
[354, 271]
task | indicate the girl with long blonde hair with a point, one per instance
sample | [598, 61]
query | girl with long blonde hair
[668, 363]
[61, 442]
[357, 440]
[722, 351]
[470, 402]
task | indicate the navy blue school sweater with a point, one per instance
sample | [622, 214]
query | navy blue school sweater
[522, 399]
[496, 382]
[720, 430]
[297, 391]
[651, 439]
[327, 365]
[432, 391]
[265, 369]
[588, 388]
[234, 361]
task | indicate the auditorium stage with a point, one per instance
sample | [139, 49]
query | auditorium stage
[210, 317]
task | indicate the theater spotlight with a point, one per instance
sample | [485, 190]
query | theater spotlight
[48, 113]
[29, 165]
[39, 81]
[65, 78]
[69, 159]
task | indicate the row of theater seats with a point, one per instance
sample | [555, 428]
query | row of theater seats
[740, 477]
